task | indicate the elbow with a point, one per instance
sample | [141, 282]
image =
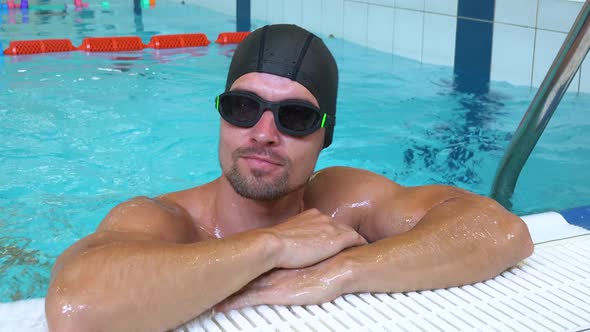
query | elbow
[512, 243]
[512, 240]
[520, 241]
[59, 314]
[67, 306]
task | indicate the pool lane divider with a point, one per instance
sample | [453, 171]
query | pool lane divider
[119, 44]
[24, 4]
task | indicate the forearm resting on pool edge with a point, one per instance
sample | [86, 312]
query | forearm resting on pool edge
[148, 285]
[461, 241]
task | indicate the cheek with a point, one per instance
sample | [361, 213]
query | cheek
[305, 160]
[225, 146]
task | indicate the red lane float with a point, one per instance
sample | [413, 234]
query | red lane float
[178, 41]
[111, 44]
[231, 37]
[118, 44]
[23, 47]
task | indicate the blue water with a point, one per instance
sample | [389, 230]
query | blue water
[81, 133]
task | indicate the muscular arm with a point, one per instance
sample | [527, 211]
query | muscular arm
[461, 240]
[141, 271]
[420, 238]
[430, 237]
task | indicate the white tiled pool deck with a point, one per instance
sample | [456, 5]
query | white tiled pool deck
[549, 291]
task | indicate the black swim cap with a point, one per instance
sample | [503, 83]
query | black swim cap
[292, 52]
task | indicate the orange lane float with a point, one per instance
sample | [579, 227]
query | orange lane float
[24, 47]
[231, 37]
[111, 44]
[178, 41]
[120, 44]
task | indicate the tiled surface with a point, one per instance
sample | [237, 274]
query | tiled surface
[519, 12]
[557, 15]
[439, 39]
[546, 48]
[410, 4]
[332, 16]
[446, 7]
[426, 30]
[512, 54]
[380, 28]
[355, 22]
[274, 11]
[292, 11]
[309, 15]
[258, 9]
[408, 28]
[388, 3]
[473, 55]
[585, 75]
[480, 9]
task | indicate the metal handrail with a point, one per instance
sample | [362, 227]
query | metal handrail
[555, 84]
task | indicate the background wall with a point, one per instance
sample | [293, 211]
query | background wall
[526, 34]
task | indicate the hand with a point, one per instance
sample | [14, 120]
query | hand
[311, 237]
[312, 285]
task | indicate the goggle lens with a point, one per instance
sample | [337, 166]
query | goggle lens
[291, 117]
[298, 118]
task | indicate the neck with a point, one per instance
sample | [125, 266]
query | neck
[235, 214]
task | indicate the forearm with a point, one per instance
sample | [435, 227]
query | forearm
[456, 243]
[147, 285]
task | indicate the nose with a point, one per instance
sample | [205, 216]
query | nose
[265, 131]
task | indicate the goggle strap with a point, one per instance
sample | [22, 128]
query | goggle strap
[324, 120]
[217, 103]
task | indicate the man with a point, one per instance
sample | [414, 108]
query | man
[269, 230]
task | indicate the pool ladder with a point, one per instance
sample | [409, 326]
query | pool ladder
[555, 84]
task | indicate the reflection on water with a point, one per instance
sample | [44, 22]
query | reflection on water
[462, 140]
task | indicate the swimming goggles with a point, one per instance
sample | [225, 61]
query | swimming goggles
[292, 117]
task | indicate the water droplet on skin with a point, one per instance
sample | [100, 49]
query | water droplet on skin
[217, 232]
[335, 213]
[358, 204]
[66, 309]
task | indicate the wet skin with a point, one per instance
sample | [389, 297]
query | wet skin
[155, 263]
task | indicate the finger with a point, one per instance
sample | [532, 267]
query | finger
[268, 279]
[245, 299]
[360, 240]
[354, 238]
[232, 302]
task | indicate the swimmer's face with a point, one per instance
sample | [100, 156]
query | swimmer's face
[261, 162]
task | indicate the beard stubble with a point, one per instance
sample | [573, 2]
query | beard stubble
[255, 186]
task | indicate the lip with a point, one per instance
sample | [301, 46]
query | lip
[264, 159]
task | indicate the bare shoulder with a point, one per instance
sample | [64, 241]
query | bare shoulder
[348, 193]
[172, 217]
[138, 219]
[349, 179]
[159, 218]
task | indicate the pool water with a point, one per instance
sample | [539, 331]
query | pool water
[81, 133]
